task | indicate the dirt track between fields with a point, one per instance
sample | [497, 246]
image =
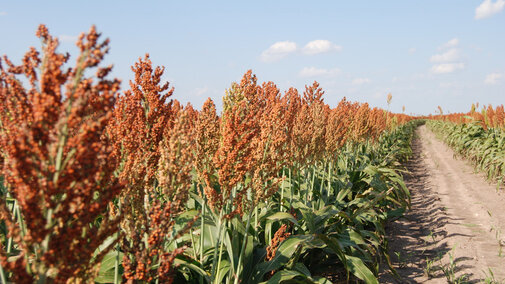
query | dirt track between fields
[455, 214]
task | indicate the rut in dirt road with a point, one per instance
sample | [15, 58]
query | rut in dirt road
[456, 224]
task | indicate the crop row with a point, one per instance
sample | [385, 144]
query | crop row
[478, 136]
[487, 117]
[103, 187]
[483, 146]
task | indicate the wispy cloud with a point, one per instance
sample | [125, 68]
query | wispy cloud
[68, 38]
[412, 50]
[494, 78]
[320, 46]
[278, 51]
[450, 55]
[446, 68]
[3, 13]
[318, 72]
[200, 91]
[281, 49]
[449, 60]
[451, 43]
[360, 81]
[488, 8]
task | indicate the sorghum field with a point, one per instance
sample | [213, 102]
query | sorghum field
[102, 185]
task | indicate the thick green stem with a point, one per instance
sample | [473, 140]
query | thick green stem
[116, 267]
[291, 190]
[244, 243]
[281, 209]
[306, 193]
[14, 215]
[2, 275]
[23, 234]
[218, 271]
[313, 180]
[329, 178]
[117, 261]
[193, 243]
[216, 247]
[202, 228]
[321, 184]
[256, 221]
[222, 227]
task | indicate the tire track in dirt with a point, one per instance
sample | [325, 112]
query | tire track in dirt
[456, 214]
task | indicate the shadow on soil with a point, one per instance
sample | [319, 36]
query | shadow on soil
[416, 241]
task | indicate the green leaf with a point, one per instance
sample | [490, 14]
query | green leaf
[282, 256]
[293, 276]
[224, 268]
[106, 273]
[359, 269]
[300, 267]
[278, 216]
[285, 275]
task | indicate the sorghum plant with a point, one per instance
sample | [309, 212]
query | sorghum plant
[140, 117]
[153, 259]
[153, 138]
[361, 126]
[57, 162]
[234, 157]
[339, 120]
[206, 145]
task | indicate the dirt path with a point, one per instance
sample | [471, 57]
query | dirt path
[457, 220]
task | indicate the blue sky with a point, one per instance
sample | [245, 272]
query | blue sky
[426, 53]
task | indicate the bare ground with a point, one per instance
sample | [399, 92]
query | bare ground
[456, 226]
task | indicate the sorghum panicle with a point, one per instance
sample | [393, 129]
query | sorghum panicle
[58, 163]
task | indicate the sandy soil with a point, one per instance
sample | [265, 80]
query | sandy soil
[457, 220]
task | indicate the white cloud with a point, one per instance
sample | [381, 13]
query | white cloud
[488, 8]
[448, 56]
[360, 81]
[320, 46]
[278, 51]
[451, 43]
[494, 78]
[447, 61]
[412, 50]
[3, 13]
[200, 91]
[446, 68]
[316, 72]
[68, 38]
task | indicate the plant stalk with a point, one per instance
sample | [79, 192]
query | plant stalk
[244, 243]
